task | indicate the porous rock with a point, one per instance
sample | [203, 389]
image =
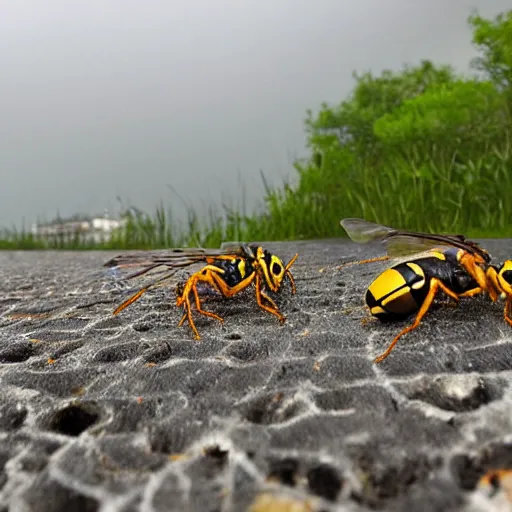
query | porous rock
[129, 412]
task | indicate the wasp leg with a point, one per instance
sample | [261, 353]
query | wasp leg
[184, 300]
[363, 262]
[289, 274]
[211, 275]
[260, 294]
[207, 275]
[292, 281]
[269, 299]
[485, 280]
[229, 291]
[496, 288]
[472, 292]
[131, 300]
[435, 286]
[201, 310]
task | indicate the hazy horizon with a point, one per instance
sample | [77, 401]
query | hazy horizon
[109, 99]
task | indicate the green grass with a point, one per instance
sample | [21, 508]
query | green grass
[438, 196]
[448, 187]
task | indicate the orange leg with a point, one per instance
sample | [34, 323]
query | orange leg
[211, 275]
[184, 300]
[200, 309]
[289, 274]
[363, 262]
[472, 292]
[131, 300]
[260, 294]
[435, 286]
[484, 279]
[269, 300]
[292, 281]
[494, 284]
[141, 292]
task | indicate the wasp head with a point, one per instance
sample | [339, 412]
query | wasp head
[274, 270]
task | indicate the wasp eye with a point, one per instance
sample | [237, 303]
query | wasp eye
[507, 276]
[276, 268]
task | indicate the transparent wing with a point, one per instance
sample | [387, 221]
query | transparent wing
[239, 249]
[403, 243]
[231, 246]
[362, 231]
[173, 259]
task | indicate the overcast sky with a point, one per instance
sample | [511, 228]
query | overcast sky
[107, 98]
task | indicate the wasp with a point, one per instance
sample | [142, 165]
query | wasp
[226, 271]
[452, 264]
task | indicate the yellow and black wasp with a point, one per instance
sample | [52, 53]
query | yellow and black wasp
[452, 264]
[227, 271]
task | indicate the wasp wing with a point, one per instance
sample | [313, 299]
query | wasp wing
[145, 258]
[401, 244]
[171, 259]
[362, 231]
[231, 246]
[406, 243]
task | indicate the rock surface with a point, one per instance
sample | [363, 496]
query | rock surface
[125, 413]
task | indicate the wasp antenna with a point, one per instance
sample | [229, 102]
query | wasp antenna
[291, 262]
[289, 275]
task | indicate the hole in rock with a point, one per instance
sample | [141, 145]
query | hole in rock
[284, 471]
[217, 454]
[234, 336]
[324, 481]
[142, 327]
[17, 353]
[74, 419]
[214, 460]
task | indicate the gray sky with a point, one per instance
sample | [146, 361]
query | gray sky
[109, 98]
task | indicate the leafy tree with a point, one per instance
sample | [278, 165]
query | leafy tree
[421, 148]
[453, 114]
[350, 124]
[493, 38]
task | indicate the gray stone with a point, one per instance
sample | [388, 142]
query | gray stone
[129, 412]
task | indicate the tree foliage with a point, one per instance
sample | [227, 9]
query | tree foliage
[493, 38]
[420, 148]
